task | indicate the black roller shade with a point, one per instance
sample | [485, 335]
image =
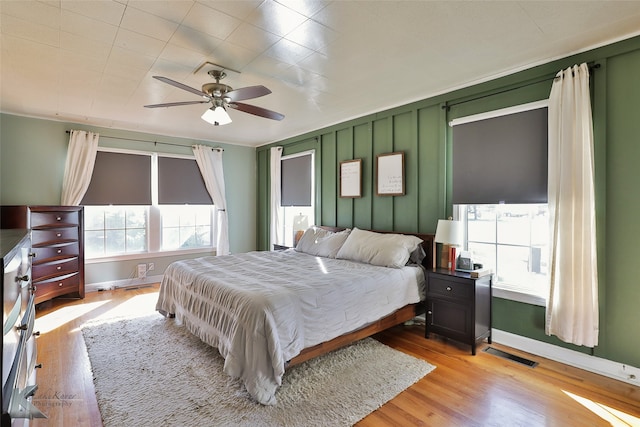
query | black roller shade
[119, 179]
[180, 182]
[296, 181]
[501, 159]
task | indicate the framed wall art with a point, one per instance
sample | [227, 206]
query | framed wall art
[390, 174]
[351, 178]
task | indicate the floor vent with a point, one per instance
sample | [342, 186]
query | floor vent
[509, 356]
[133, 288]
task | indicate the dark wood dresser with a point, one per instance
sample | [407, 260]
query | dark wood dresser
[18, 337]
[57, 238]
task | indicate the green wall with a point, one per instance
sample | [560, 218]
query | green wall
[32, 158]
[420, 130]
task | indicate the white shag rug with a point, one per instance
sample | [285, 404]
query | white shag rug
[148, 371]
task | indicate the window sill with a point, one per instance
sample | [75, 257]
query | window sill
[519, 296]
[150, 255]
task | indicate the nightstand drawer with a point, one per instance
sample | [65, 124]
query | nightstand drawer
[449, 288]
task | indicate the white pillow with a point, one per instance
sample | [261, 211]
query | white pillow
[320, 242]
[386, 250]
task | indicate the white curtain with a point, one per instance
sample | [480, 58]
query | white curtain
[81, 157]
[277, 214]
[209, 162]
[572, 306]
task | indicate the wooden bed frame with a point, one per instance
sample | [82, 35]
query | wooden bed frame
[402, 315]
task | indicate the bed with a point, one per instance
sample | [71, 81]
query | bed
[268, 310]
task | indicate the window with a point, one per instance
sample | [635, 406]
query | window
[501, 156]
[186, 227]
[115, 230]
[297, 195]
[500, 186]
[136, 205]
[512, 239]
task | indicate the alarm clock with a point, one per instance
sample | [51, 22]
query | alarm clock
[464, 264]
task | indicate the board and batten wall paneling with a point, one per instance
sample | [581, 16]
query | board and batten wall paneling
[263, 199]
[621, 223]
[362, 150]
[328, 177]
[344, 151]
[382, 206]
[405, 208]
[431, 142]
[365, 139]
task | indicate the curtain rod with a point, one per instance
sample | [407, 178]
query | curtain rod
[448, 106]
[149, 142]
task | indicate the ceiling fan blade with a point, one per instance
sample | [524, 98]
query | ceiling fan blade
[248, 92]
[258, 111]
[175, 104]
[181, 86]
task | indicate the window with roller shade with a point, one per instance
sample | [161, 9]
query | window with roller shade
[141, 203]
[501, 159]
[184, 203]
[296, 180]
[500, 194]
[297, 172]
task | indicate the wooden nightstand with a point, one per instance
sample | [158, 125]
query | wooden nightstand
[459, 306]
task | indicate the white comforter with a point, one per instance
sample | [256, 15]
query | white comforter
[260, 309]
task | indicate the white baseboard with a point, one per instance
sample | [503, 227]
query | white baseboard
[608, 368]
[125, 283]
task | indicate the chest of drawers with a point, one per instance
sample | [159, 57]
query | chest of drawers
[57, 235]
[18, 337]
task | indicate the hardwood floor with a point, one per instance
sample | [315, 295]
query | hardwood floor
[464, 390]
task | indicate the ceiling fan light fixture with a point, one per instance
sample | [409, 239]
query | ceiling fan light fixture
[217, 116]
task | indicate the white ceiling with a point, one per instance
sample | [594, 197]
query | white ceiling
[325, 61]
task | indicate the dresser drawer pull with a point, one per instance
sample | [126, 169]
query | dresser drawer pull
[36, 334]
[58, 268]
[24, 278]
[59, 251]
[449, 288]
[33, 254]
[58, 218]
[60, 284]
[58, 234]
[38, 366]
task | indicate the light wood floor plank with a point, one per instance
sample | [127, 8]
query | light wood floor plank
[463, 390]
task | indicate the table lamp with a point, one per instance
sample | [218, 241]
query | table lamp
[449, 233]
[300, 225]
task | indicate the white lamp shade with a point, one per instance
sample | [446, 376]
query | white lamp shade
[216, 116]
[449, 232]
[300, 222]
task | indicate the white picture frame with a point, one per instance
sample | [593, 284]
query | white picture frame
[390, 174]
[351, 178]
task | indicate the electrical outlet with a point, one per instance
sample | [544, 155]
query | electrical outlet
[142, 271]
[151, 266]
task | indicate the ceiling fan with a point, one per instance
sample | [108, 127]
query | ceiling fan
[221, 96]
